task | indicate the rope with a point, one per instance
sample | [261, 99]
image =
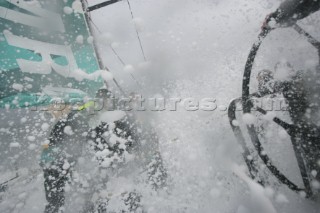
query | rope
[122, 62]
[117, 55]
[135, 27]
[114, 80]
[97, 28]
[4, 183]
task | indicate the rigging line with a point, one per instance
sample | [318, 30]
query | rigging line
[114, 80]
[97, 28]
[114, 51]
[119, 58]
[135, 27]
[122, 62]
[4, 183]
[117, 55]
[117, 84]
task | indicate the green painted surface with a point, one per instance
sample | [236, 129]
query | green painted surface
[20, 89]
